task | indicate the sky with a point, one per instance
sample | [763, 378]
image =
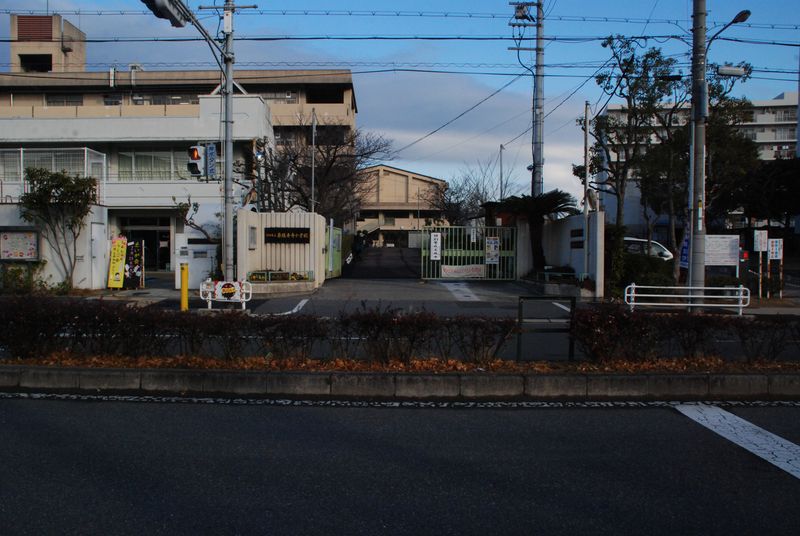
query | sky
[407, 88]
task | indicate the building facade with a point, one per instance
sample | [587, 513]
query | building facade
[396, 205]
[131, 130]
[771, 124]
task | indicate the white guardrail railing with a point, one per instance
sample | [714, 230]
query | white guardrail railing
[652, 296]
[226, 291]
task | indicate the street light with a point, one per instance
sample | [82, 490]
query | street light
[697, 263]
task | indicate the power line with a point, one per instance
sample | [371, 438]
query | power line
[417, 14]
[431, 133]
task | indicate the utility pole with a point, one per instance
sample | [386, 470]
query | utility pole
[538, 104]
[313, 158]
[178, 14]
[586, 187]
[699, 114]
[501, 171]
[522, 14]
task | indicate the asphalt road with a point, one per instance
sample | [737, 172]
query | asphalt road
[82, 467]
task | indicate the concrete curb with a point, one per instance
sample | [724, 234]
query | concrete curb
[402, 386]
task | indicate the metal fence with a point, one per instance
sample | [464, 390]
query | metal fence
[652, 296]
[76, 161]
[487, 253]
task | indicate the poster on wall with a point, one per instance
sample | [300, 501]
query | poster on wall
[116, 264]
[19, 245]
[492, 250]
[134, 268]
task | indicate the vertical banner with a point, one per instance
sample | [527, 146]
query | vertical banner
[684, 258]
[133, 266]
[116, 264]
[492, 250]
[436, 246]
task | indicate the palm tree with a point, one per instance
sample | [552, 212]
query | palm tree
[551, 205]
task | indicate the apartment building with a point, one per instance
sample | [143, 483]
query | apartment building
[771, 124]
[396, 205]
[131, 129]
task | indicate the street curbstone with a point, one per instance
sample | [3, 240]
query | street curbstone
[492, 386]
[49, 378]
[738, 385]
[235, 383]
[9, 377]
[298, 384]
[690, 386]
[109, 380]
[616, 386]
[426, 386]
[363, 385]
[172, 381]
[555, 386]
[784, 385]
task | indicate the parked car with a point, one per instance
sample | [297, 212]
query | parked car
[640, 246]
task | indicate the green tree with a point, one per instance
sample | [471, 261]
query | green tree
[536, 209]
[642, 82]
[58, 203]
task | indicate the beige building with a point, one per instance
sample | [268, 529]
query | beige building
[396, 205]
[43, 44]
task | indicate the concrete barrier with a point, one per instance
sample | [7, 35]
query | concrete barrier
[404, 386]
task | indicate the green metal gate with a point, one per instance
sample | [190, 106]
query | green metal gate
[487, 253]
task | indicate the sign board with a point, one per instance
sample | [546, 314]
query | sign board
[722, 250]
[226, 291]
[436, 246]
[463, 272]
[775, 249]
[134, 266]
[287, 235]
[684, 259]
[473, 235]
[759, 241]
[211, 161]
[116, 262]
[492, 250]
[19, 246]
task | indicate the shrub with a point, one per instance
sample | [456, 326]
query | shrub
[480, 338]
[762, 337]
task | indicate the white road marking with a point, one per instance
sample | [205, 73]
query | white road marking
[293, 311]
[461, 291]
[772, 448]
[561, 306]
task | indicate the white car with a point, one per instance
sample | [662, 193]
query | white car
[639, 246]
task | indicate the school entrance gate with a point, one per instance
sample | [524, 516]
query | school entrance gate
[487, 253]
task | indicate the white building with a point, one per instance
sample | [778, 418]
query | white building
[131, 130]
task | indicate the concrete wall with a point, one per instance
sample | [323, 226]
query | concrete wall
[91, 267]
[255, 255]
[559, 250]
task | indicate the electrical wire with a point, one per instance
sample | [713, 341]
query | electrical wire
[462, 114]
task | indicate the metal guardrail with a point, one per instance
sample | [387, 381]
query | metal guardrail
[545, 325]
[655, 296]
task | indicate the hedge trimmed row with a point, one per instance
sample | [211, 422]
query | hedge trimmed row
[608, 332]
[40, 326]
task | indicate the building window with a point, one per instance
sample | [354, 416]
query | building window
[114, 99]
[162, 99]
[284, 96]
[142, 165]
[63, 100]
[36, 63]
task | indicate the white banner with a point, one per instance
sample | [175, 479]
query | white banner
[436, 246]
[465, 271]
[722, 250]
[759, 241]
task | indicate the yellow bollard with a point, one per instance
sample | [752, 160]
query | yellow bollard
[184, 286]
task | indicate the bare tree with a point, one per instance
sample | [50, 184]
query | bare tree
[340, 156]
